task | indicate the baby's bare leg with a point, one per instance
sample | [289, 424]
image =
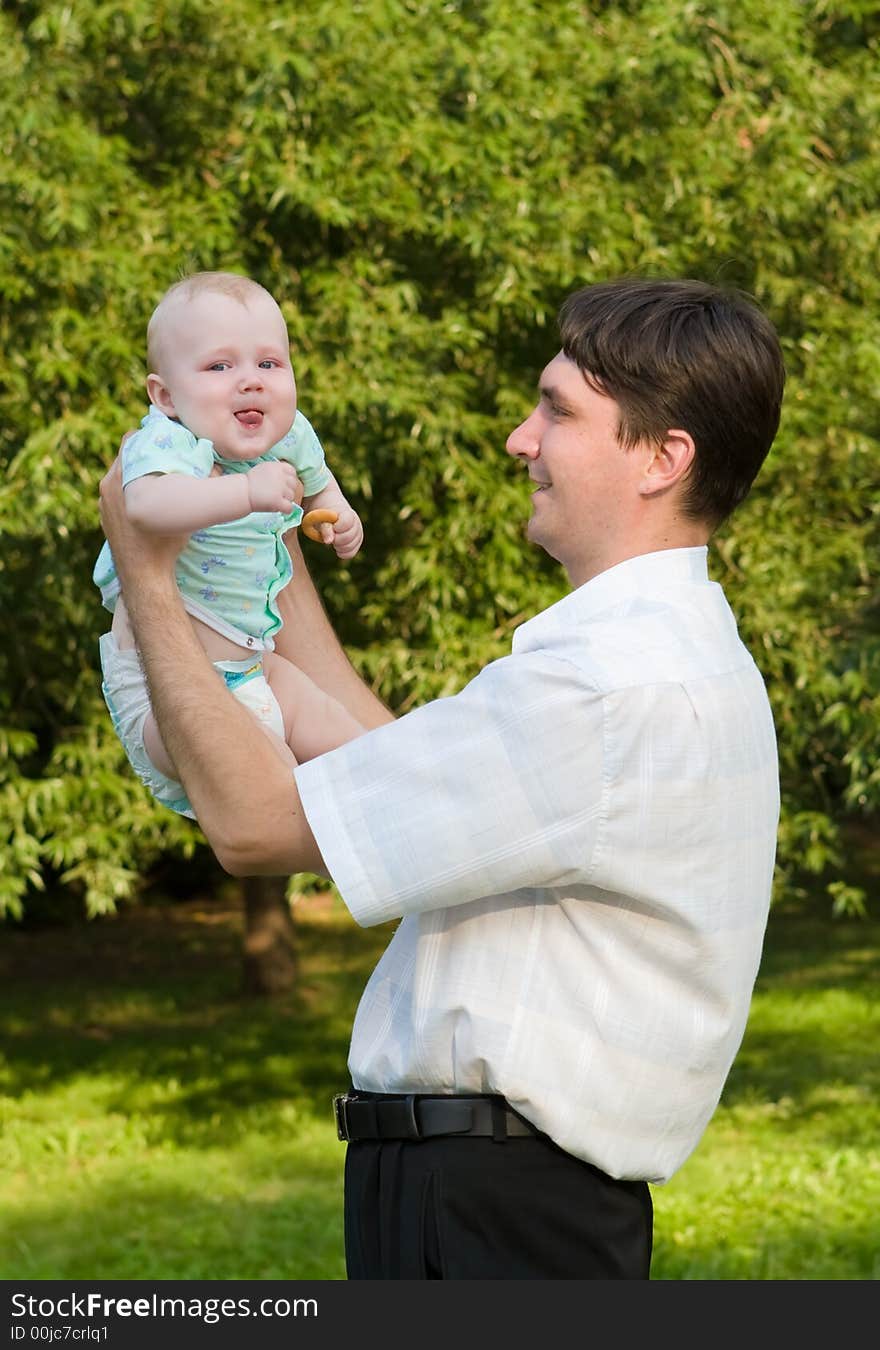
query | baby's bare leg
[156, 752]
[281, 748]
[217, 648]
[161, 760]
[313, 721]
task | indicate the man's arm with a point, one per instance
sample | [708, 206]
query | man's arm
[245, 799]
[308, 640]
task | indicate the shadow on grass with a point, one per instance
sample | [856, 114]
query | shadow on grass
[803, 1043]
[816, 952]
[149, 1002]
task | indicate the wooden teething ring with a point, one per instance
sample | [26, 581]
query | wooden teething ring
[313, 519]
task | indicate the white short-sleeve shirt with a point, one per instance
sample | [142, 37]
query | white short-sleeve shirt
[580, 845]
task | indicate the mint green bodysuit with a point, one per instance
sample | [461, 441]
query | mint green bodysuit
[230, 574]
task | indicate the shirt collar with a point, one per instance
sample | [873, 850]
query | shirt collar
[648, 574]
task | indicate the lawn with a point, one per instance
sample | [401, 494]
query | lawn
[155, 1125]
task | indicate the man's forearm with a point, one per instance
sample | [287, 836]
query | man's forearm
[308, 640]
[244, 797]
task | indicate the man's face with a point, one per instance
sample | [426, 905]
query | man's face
[586, 499]
[226, 372]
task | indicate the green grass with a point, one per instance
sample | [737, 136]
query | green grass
[155, 1125]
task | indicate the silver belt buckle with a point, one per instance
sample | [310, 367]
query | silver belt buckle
[340, 1102]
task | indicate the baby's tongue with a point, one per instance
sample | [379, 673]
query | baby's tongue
[250, 417]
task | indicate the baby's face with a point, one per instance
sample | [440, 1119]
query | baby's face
[226, 372]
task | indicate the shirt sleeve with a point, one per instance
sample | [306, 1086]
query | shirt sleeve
[497, 788]
[161, 445]
[301, 448]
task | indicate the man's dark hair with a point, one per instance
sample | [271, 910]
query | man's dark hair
[684, 355]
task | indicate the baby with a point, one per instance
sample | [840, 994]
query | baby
[224, 456]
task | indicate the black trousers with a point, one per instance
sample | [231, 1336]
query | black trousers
[474, 1209]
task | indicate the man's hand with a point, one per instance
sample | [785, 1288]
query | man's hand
[135, 552]
[274, 486]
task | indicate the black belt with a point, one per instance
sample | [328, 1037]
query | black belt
[418, 1115]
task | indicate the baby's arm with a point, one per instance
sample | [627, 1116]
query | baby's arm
[347, 533]
[175, 503]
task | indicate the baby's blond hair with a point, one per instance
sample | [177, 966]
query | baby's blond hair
[197, 283]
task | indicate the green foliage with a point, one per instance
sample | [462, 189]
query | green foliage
[421, 183]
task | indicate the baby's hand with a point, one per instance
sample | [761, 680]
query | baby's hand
[348, 532]
[274, 486]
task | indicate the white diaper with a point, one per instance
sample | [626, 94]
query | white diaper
[125, 692]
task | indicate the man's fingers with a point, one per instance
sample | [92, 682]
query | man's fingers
[113, 472]
[115, 469]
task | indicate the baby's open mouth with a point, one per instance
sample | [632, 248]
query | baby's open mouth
[249, 417]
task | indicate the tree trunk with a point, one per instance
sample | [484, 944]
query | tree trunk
[269, 937]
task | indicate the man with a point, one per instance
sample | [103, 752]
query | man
[580, 844]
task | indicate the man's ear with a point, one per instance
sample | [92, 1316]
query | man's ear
[159, 395]
[669, 464]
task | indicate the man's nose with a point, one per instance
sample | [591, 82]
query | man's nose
[524, 440]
